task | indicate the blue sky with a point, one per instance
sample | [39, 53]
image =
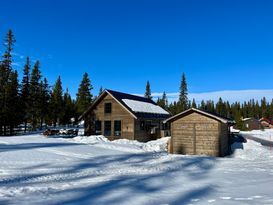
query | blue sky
[220, 45]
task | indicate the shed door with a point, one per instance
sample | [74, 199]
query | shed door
[205, 138]
[195, 138]
[184, 138]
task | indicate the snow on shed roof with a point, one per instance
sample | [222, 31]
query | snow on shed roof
[146, 107]
[189, 111]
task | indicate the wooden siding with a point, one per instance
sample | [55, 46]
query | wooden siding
[198, 134]
[130, 127]
[224, 140]
[118, 113]
[144, 135]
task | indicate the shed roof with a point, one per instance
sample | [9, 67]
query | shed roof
[137, 106]
[210, 115]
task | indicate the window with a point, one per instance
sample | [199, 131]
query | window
[107, 107]
[98, 127]
[142, 125]
[107, 128]
[117, 126]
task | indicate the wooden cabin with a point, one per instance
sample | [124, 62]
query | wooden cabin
[266, 123]
[251, 124]
[119, 115]
[196, 132]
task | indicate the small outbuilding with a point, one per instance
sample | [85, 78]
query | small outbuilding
[266, 123]
[196, 132]
[251, 124]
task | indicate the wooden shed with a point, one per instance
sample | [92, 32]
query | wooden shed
[196, 132]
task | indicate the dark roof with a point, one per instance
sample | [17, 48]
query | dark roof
[208, 114]
[119, 96]
[266, 120]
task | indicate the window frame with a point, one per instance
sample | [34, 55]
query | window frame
[107, 132]
[107, 110]
[117, 132]
[98, 131]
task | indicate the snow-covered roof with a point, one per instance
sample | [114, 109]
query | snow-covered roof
[246, 119]
[139, 106]
[189, 111]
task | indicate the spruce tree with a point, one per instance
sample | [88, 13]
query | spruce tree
[5, 77]
[44, 101]
[202, 105]
[35, 95]
[183, 95]
[57, 102]
[13, 111]
[271, 110]
[163, 102]
[193, 105]
[84, 95]
[148, 92]
[25, 92]
[68, 109]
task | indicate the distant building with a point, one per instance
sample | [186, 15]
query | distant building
[119, 115]
[197, 132]
[266, 123]
[251, 124]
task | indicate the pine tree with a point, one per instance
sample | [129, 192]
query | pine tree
[25, 92]
[35, 95]
[202, 105]
[193, 104]
[173, 108]
[5, 77]
[57, 102]
[264, 108]
[84, 96]
[69, 112]
[13, 102]
[148, 92]
[163, 102]
[183, 96]
[44, 101]
[271, 110]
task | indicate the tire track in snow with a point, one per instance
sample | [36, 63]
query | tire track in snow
[65, 153]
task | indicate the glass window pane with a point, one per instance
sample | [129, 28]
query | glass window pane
[117, 128]
[107, 128]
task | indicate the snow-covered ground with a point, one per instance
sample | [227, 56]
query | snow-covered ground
[266, 134]
[39, 170]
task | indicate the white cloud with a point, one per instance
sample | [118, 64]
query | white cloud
[230, 95]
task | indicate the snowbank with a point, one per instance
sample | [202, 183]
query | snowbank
[254, 149]
[266, 134]
[251, 150]
[126, 145]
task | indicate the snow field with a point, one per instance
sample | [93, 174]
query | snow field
[93, 170]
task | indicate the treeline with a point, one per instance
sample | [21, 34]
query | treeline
[33, 100]
[236, 110]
